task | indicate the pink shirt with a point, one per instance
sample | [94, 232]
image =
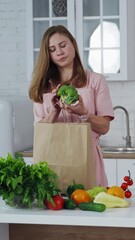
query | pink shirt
[97, 100]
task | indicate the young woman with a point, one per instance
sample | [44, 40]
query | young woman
[58, 63]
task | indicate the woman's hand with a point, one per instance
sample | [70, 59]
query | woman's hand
[57, 104]
[55, 109]
[78, 108]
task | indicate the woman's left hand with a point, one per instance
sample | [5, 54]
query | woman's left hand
[78, 108]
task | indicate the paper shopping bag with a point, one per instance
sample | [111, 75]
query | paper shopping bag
[67, 147]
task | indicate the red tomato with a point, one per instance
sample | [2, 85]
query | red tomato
[124, 186]
[130, 182]
[128, 194]
[58, 203]
[126, 178]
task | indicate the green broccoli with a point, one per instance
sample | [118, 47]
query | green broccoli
[68, 94]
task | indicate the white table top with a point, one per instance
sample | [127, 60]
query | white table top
[113, 217]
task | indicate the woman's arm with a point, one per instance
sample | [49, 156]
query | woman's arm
[99, 124]
[52, 116]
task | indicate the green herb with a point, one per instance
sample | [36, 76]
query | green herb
[21, 184]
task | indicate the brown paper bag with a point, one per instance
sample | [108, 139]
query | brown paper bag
[67, 147]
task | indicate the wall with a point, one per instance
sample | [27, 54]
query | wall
[122, 93]
[13, 70]
[13, 48]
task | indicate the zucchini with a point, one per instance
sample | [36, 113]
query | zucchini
[91, 206]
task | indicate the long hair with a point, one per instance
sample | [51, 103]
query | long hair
[45, 70]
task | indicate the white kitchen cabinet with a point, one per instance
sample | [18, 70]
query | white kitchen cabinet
[99, 26]
[117, 168]
[111, 171]
[16, 130]
[123, 165]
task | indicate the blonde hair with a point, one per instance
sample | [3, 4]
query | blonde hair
[45, 69]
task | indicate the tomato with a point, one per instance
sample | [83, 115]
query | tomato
[58, 203]
[124, 186]
[130, 182]
[79, 196]
[126, 178]
[128, 194]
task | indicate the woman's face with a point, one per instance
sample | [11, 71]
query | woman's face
[61, 50]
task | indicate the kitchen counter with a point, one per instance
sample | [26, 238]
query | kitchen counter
[117, 217]
[29, 153]
[119, 155]
[67, 222]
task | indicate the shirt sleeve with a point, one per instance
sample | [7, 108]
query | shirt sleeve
[38, 111]
[103, 99]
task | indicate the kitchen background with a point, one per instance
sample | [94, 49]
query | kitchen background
[13, 68]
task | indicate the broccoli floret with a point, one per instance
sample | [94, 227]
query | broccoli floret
[68, 94]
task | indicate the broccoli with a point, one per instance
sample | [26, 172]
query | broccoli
[68, 94]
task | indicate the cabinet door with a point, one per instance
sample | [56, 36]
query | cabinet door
[101, 35]
[123, 165]
[40, 16]
[99, 27]
[110, 169]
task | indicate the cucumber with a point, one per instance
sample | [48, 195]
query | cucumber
[91, 206]
[69, 204]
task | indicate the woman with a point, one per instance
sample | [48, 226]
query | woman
[58, 63]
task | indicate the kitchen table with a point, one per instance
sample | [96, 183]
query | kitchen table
[41, 224]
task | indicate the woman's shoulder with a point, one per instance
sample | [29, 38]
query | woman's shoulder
[94, 78]
[93, 75]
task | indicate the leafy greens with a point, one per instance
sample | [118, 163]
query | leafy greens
[21, 184]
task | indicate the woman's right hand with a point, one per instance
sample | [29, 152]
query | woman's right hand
[55, 109]
[57, 104]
